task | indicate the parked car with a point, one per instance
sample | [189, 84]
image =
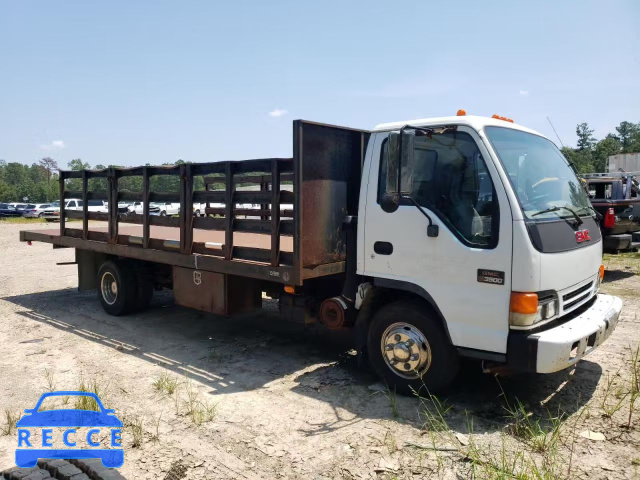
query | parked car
[137, 207]
[8, 210]
[616, 197]
[35, 210]
[19, 206]
[167, 208]
[52, 212]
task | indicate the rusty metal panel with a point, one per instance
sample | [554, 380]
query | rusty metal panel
[200, 290]
[330, 160]
[215, 292]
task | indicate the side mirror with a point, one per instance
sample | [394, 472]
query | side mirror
[389, 202]
[400, 161]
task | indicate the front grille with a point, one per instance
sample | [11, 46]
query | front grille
[577, 297]
[577, 291]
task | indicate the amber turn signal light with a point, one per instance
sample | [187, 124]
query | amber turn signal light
[601, 272]
[523, 303]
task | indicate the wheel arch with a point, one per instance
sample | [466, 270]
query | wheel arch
[387, 291]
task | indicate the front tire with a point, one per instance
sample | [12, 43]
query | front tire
[117, 287]
[409, 349]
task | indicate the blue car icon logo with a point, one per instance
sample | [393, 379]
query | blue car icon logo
[102, 429]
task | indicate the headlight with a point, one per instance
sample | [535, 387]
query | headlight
[527, 309]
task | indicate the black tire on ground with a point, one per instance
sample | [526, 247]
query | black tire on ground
[144, 289]
[89, 469]
[41, 214]
[121, 299]
[197, 213]
[419, 317]
[163, 213]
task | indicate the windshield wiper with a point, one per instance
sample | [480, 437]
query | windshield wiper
[556, 208]
[589, 207]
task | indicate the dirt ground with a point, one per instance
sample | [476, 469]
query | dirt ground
[256, 398]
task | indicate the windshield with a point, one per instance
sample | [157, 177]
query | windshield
[545, 184]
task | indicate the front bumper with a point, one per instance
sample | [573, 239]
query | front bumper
[562, 346]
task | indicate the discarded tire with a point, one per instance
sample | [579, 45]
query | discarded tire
[48, 468]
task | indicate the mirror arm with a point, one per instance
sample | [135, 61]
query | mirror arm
[432, 230]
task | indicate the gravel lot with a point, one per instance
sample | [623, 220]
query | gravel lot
[256, 398]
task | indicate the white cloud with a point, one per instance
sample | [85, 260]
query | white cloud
[524, 93]
[54, 145]
[278, 112]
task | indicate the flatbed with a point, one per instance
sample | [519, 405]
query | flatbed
[271, 246]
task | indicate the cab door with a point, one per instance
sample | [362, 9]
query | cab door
[465, 271]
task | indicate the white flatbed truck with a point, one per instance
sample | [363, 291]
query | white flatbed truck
[431, 239]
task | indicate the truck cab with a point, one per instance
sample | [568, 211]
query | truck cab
[486, 239]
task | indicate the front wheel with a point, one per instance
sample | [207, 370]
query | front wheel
[409, 350]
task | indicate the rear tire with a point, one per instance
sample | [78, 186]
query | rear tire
[61, 469]
[163, 213]
[117, 287]
[409, 349]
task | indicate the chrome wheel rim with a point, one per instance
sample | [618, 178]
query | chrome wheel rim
[405, 350]
[109, 288]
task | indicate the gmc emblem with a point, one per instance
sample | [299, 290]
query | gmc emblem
[582, 236]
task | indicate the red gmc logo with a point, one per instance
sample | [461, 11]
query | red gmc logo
[582, 236]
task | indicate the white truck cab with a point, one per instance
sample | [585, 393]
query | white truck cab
[494, 233]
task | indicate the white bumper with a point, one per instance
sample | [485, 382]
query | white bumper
[563, 346]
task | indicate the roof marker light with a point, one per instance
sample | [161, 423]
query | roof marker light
[461, 113]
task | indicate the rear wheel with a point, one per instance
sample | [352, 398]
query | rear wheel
[117, 287]
[409, 349]
[163, 213]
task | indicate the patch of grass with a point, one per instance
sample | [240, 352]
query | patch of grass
[433, 412]
[11, 418]
[156, 436]
[92, 386]
[634, 383]
[196, 409]
[540, 434]
[608, 407]
[21, 220]
[393, 401]
[203, 412]
[51, 384]
[390, 442]
[135, 426]
[166, 384]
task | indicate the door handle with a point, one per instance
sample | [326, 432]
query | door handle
[383, 248]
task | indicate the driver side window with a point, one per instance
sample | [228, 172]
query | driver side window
[451, 179]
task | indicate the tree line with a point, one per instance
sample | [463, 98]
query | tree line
[590, 154]
[38, 182]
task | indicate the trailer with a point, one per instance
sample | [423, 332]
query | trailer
[430, 240]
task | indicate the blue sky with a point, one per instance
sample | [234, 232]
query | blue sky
[128, 83]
